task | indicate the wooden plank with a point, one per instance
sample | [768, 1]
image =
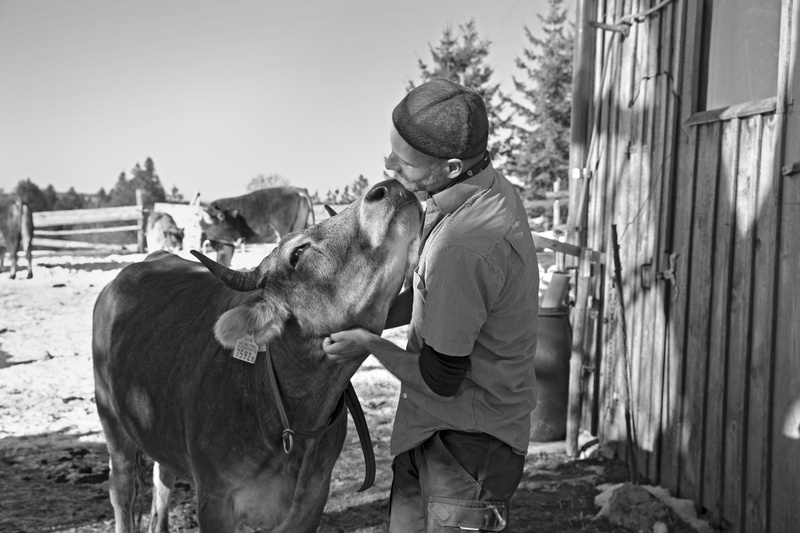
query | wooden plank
[648, 236]
[699, 301]
[546, 243]
[663, 148]
[78, 245]
[678, 239]
[713, 450]
[603, 201]
[740, 310]
[785, 450]
[639, 183]
[744, 110]
[766, 193]
[44, 219]
[85, 231]
[625, 128]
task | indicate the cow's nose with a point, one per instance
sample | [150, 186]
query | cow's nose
[376, 193]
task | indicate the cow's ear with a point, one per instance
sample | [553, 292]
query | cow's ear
[265, 318]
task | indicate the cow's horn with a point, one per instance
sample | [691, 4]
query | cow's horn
[239, 281]
[330, 210]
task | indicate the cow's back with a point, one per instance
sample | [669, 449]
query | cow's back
[281, 209]
[155, 363]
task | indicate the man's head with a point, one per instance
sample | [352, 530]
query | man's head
[439, 130]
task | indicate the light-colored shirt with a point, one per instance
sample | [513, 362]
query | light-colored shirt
[475, 295]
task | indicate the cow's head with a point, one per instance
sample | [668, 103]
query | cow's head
[341, 273]
[173, 239]
[223, 226]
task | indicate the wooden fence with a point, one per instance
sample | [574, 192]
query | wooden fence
[79, 217]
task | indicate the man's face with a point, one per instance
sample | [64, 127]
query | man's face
[417, 172]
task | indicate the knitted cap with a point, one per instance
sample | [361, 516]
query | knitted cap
[443, 119]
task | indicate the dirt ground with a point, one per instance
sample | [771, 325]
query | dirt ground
[53, 461]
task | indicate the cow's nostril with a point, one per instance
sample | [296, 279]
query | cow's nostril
[377, 193]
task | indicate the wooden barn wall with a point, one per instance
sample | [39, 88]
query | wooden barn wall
[709, 237]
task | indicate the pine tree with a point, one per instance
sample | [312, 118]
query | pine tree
[70, 200]
[265, 182]
[462, 59]
[124, 192]
[32, 195]
[174, 195]
[360, 186]
[540, 152]
[51, 197]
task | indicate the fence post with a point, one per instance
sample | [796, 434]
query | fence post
[140, 220]
[556, 203]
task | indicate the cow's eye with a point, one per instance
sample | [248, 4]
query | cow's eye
[296, 253]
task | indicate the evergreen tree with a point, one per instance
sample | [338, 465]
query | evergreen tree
[359, 186]
[32, 195]
[70, 200]
[147, 180]
[51, 197]
[462, 58]
[540, 151]
[102, 199]
[175, 195]
[331, 198]
[124, 192]
[265, 182]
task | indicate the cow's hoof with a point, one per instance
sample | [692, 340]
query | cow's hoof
[30, 275]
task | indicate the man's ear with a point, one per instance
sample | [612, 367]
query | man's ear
[454, 168]
[265, 317]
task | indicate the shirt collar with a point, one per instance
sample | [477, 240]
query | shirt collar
[454, 197]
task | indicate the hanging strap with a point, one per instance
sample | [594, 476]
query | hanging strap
[350, 398]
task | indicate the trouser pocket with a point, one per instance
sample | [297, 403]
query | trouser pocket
[453, 514]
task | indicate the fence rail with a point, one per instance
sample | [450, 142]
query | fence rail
[100, 215]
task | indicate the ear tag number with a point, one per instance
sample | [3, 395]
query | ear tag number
[246, 348]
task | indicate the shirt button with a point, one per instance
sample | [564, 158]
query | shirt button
[405, 395]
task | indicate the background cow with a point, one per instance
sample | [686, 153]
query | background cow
[163, 233]
[262, 216]
[16, 226]
[166, 383]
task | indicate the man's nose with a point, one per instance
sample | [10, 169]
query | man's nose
[391, 162]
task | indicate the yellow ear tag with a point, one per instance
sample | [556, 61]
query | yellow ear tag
[246, 348]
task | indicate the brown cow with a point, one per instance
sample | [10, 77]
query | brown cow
[166, 383]
[16, 226]
[262, 216]
[163, 233]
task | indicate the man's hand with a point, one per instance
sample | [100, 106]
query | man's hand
[344, 346]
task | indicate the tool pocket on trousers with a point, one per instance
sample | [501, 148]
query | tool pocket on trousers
[453, 514]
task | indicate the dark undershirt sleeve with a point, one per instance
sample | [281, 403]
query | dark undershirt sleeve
[442, 373]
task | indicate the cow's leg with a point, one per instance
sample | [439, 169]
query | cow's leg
[163, 482]
[123, 462]
[28, 256]
[12, 251]
[214, 513]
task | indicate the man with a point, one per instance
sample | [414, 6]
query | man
[467, 380]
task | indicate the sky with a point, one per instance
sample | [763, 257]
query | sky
[218, 92]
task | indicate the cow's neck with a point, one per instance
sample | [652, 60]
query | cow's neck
[309, 384]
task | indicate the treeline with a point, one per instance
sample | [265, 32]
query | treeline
[123, 192]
